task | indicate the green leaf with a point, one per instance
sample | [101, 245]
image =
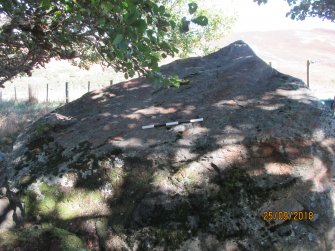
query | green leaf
[184, 25]
[131, 18]
[173, 24]
[192, 8]
[141, 25]
[165, 46]
[45, 4]
[119, 53]
[102, 21]
[129, 66]
[155, 9]
[200, 20]
[131, 73]
[125, 4]
[161, 9]
[117, 40]
[107, 6]
[68, 7]
[123, 45]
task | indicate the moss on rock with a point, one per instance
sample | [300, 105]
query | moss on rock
[40, 238]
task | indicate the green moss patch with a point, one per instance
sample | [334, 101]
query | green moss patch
[57, 205]
[81, 203]
[40, 238]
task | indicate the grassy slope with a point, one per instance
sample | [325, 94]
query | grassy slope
[16, 116]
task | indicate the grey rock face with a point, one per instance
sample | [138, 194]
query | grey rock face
[2, 169]
[6, 214]
[263, 154]
[2, 157]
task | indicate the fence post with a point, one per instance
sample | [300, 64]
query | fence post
[308, 64]
[66, 92]
[88, 86]
[111, 82]
[47, 98]
[15, 97]
[270, 64]
[30, 95]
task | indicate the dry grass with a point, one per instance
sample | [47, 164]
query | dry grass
[55, 74]
[16, 116]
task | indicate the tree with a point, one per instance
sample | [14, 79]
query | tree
[197, 40]
[300, 9]
[126, 35]
[130, 35]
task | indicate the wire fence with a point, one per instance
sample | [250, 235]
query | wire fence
[49, 92]
[68, 91]
[317, 74]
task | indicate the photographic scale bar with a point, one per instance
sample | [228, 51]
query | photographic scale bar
[173, 123]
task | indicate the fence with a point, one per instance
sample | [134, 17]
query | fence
[308, 68]
[28, 93]
[69, 91]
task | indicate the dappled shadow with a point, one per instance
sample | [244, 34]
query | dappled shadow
[264, 145]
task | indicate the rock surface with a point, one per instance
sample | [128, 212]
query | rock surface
[2, 157]
[265, 145]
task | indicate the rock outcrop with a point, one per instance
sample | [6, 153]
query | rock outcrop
[236, 181]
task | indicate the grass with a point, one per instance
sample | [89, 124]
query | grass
[55, 74]
[16, 116]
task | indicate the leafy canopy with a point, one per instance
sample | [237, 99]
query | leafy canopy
[196, 39]
[300, 9]
[129, 35]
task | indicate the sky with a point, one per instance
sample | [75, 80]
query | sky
[270, 16]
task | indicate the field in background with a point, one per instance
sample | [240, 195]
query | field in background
[16, 116]
[289, 50]
[55, 74]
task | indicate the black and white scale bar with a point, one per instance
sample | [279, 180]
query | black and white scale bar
[173, 123]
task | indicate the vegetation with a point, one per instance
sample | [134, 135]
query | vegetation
[44, 237]
[301, 9]
[130, 35]
[16, 116]
[197, 40]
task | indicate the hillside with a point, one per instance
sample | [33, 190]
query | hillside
[288, 50]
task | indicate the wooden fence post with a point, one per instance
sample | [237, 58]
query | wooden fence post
[47, 98]
[88, 86]
[30, 95]
[66, 92]
[111, 82]
[308, 64]
[15, 97]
